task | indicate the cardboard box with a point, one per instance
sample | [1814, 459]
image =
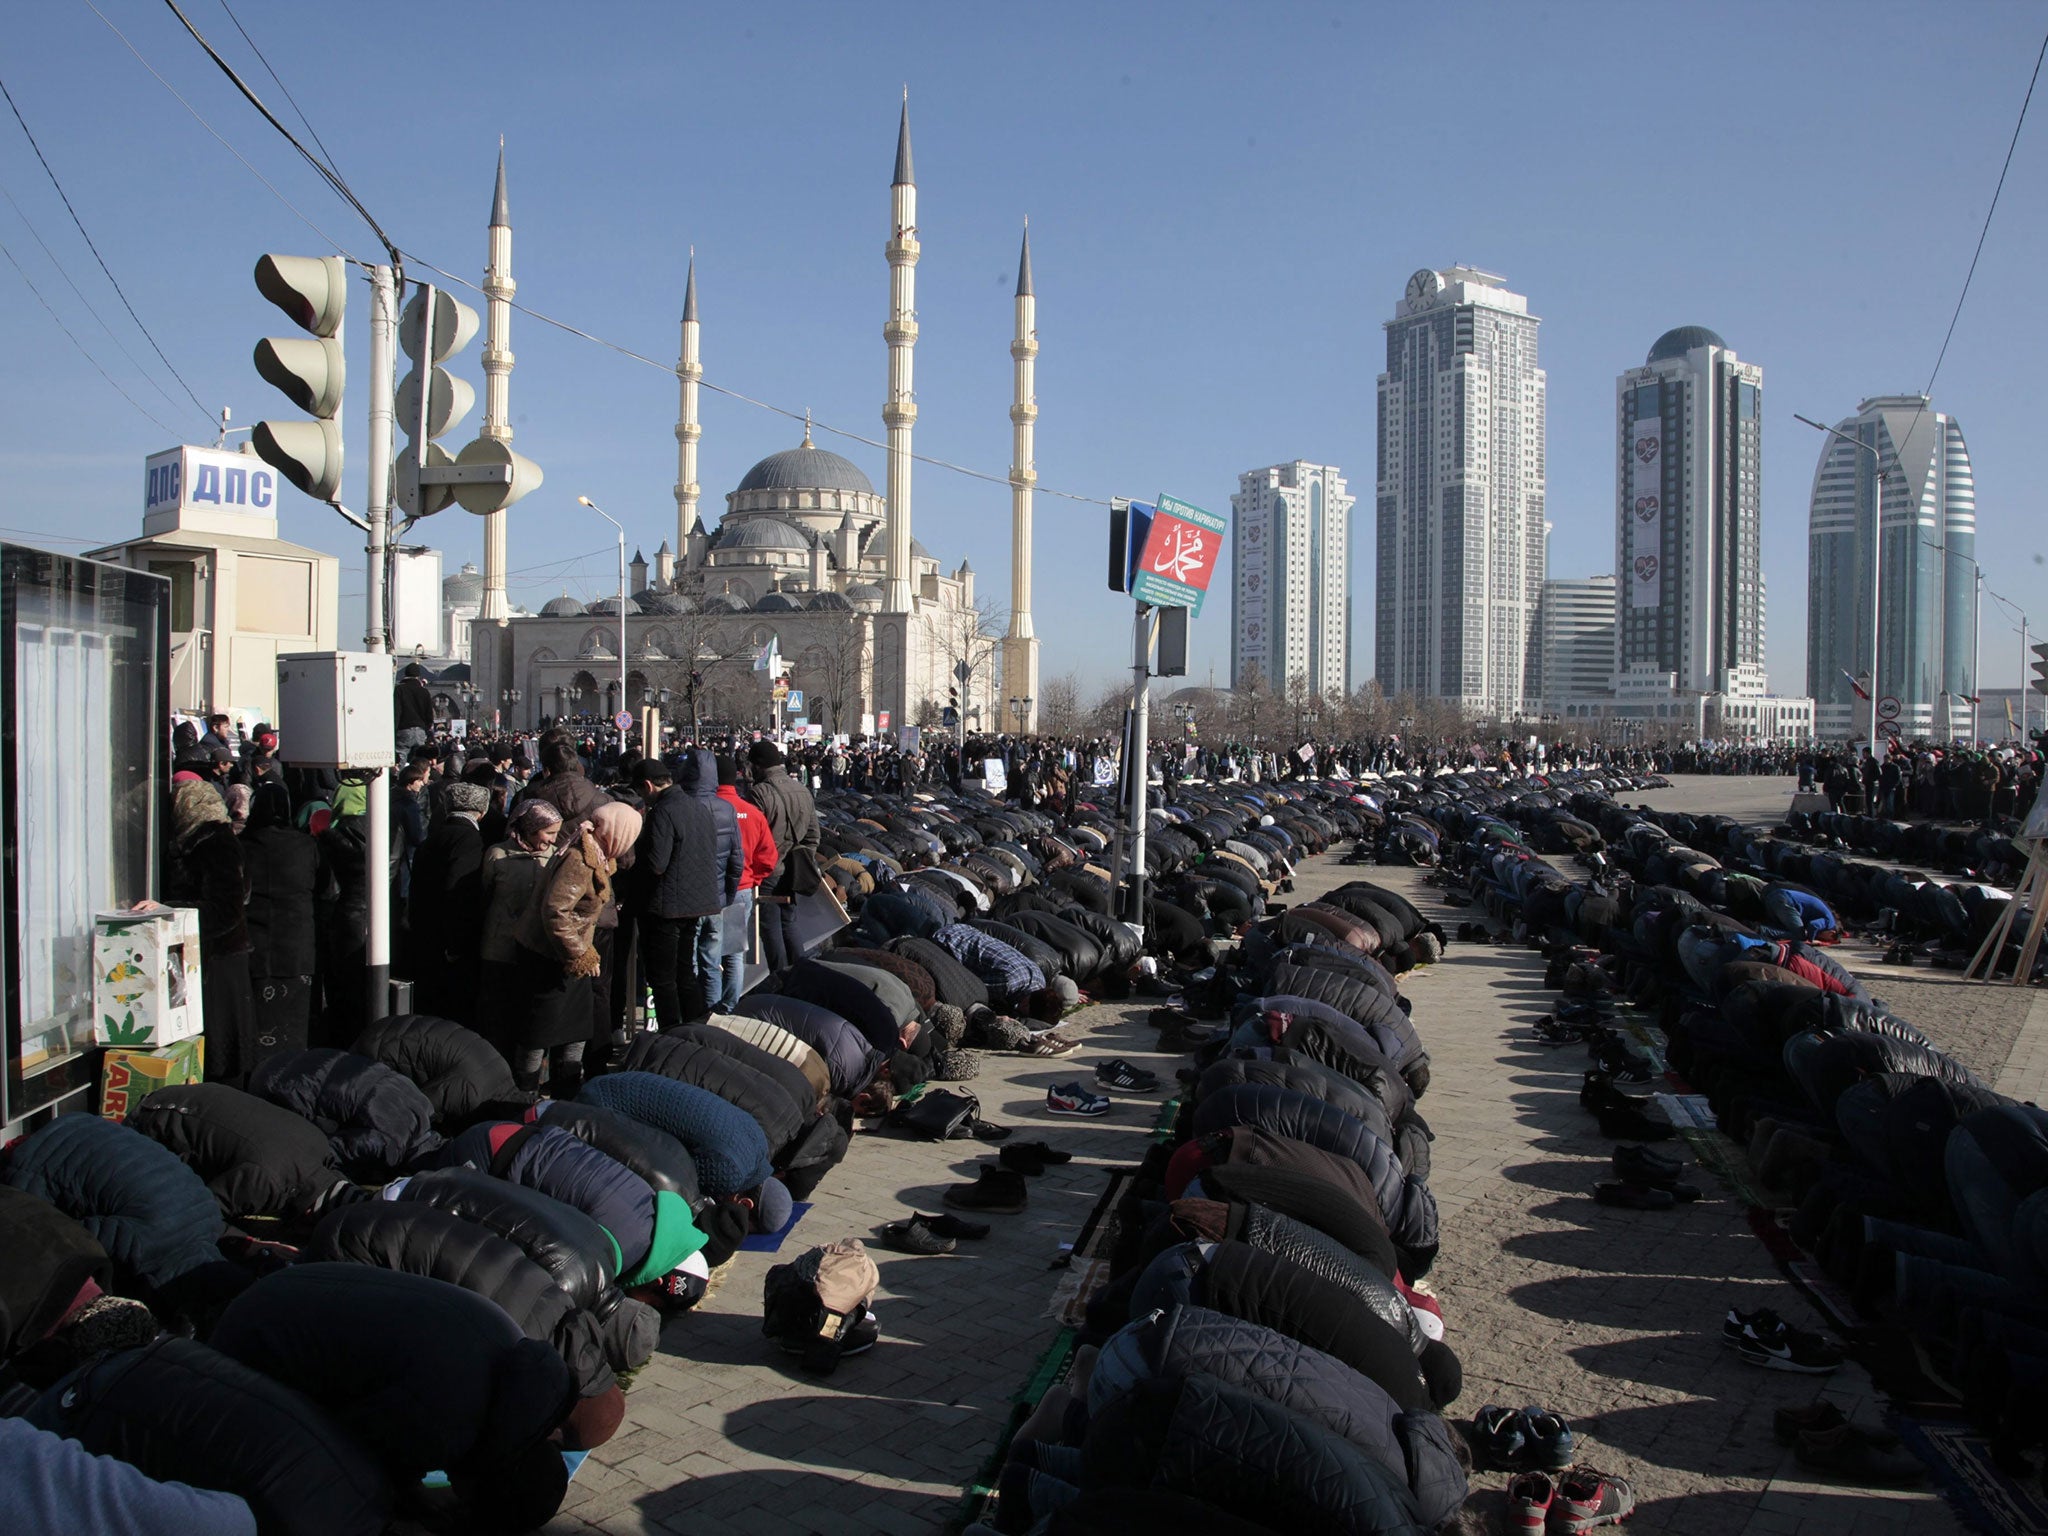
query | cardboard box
[145, 977]
[127, 1076]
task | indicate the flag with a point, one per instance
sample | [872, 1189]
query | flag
[2010, 723]
[766, 659]
[1969, 698]
[1856, 685]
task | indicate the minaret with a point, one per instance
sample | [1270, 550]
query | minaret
[1020, 646]
[498, 289]
[689, 369]
[900, 413]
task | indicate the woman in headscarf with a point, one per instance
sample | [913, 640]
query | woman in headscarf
[286, 871]
[237, 797]
[203, 868]
[557, 950]
[511, 877]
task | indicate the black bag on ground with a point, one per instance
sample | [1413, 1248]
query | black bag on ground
[937, 1114]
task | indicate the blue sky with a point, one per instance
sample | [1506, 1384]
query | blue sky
[1225, 203]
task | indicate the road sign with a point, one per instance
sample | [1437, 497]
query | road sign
[1179, 556]
[962, 671]
[623, 719]
[1889, 728]
[795, 703]
[1887, 708]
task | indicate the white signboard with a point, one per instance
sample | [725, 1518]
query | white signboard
[1646, 514]
[208, 480]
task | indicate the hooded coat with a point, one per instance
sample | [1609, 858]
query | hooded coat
[1189, 1341]
[656, 1156]
[1247, 1456]
[258, 1158]
[578, 1254]
[686, 859]
[812, 981]
[451, 1384]
[456, 1068]
[420, 1240]
[154, 1216]
[377, 1121]
[179, 1411]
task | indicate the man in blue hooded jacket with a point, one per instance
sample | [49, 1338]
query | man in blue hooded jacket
[692, 856]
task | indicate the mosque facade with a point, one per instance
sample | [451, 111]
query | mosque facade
[872, 631]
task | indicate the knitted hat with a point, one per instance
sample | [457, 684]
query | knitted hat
[772, 1206]
[676, 1237]
[764, 754]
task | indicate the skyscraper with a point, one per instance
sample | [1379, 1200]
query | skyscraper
[1290, 598]
[1460, 494]
[1688, 526]
[1575, 638]
[1927, 565]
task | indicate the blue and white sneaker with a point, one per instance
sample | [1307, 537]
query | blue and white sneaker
[1073, 1099]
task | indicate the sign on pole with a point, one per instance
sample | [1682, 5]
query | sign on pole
[623, 719]
[795, 702]
[1888, 708]
[1179, 556]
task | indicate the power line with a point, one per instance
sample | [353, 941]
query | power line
[65, 198]
[171, 432]
[326, 239]
[296, 108]
[1976, 255]
[720, 389]
[327, 172]
[62, 272]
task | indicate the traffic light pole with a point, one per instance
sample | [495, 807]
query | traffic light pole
[377, 853]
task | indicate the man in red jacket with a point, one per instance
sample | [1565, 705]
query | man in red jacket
[758, 858]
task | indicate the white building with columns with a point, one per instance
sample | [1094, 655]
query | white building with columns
[808, 555]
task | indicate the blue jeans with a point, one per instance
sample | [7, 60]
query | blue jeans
[706, 959]
[735, 923]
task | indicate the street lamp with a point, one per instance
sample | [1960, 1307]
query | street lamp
[1021, 708]
[507, 698]
[600, 511]
[1876, 558]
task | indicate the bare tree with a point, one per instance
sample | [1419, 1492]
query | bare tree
[971, 638]
[835, 665]
[1059, 705]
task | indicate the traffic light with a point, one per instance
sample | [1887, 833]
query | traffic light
[434, 327]
[313, 291]
[2040, 683]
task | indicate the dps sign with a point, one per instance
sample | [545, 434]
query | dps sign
[1179, 556]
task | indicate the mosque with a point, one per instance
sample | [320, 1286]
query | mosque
[872, 630]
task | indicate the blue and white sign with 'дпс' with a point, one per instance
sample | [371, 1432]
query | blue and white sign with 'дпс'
[208, 480]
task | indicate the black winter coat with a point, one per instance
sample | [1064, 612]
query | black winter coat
[181, 1412]
[420, 1240]
[1246, 1455]
[377, 1121]
[285, 873]
[49, 1259]
[457, 1069]
[577, 1253]
[852, 1060]
[445, 911]
[154, 1216]
[258, 1158]
[664, 1162]
[424, 1374]
[685, 870]
[208, 873]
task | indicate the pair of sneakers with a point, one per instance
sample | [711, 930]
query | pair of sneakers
[1073, 1099]
[1520, 1439]
[1577, 1499]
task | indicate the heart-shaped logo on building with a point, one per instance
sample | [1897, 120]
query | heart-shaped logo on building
[1646, 508]
[1646, 567]
[1647, 448]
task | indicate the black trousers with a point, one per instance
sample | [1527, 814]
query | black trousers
[667, 955]
[780, 948]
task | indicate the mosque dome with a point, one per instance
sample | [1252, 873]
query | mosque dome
[610, 605]
[828, 602]
[763, 533]
[1678, 342]
[806, 468]
[666, 602]
[563, 607]
[465, 586]
[864, 594]
[723, 602]
[778, 602]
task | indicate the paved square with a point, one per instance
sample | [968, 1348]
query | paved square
[1609, 1317]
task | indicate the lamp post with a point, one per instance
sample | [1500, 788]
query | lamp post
[508, 700]
[600, 511]
[1877, 470]
[1021, 708]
